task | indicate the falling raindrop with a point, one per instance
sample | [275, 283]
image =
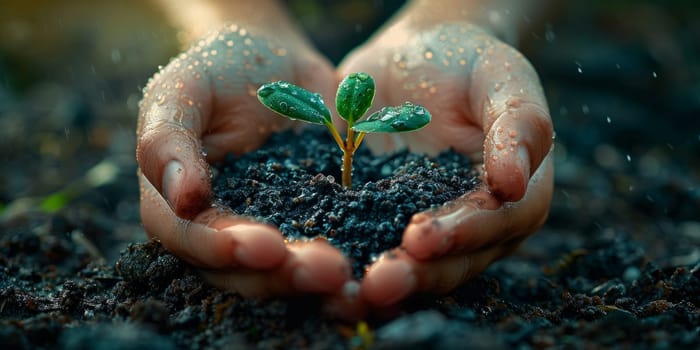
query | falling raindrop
[549, 33]
[579, 70]
[608, 119]
[585, 109]
[116, 56]
[653, 74]
[629, 158]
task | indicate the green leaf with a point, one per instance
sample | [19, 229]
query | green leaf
[407, 117]
[54, 202]
[294, 102]
[354, 96]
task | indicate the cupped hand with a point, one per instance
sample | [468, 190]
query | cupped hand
[487, 103]
[200, 107]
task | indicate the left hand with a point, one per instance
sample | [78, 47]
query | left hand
[487, 103]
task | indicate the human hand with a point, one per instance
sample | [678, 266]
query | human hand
[197, 109]
[487, 103]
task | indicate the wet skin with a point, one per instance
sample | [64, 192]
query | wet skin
[486, 102]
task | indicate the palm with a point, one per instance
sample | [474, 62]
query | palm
[433, 70]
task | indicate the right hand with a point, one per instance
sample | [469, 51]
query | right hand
[197, 109]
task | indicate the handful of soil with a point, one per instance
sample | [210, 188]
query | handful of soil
[290, 183]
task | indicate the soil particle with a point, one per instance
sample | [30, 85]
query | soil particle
[291, 183]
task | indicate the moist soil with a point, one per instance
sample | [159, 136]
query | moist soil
[616, 265]
[290, 183]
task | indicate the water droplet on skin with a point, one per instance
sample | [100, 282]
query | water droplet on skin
[205, 54]
[432, 89]
[500, 146]
[507, 65]
[248, 41]
[512, 133]
[198, 76]
[242, 32]
[179, 85]
[284, 108]
[160, 99]
[497, 87]
[513, 102]
[418, 110]
[428, 55]
[229, 43]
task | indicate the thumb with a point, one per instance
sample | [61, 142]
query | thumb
[171, 118]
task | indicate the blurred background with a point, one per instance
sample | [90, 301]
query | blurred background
[622, 79]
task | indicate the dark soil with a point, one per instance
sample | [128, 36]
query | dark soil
[615, 266]
[290, 183]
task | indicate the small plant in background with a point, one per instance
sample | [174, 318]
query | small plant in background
[353, 98]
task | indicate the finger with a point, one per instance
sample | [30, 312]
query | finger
[509, 103]
[479, 219]
[168, 149]
[398, 275]
[214, 239]
[310, 267]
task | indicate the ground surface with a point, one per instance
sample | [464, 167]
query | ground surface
[616, 265]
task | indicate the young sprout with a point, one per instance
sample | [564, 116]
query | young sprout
[353, 99]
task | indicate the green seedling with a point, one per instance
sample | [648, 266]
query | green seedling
[353, 98]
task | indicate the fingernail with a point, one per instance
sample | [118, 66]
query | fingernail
[241, 254]
[445, 244]
[172, 177]
[524, 157]
[257, 246]
[400, 283]
[303, 281]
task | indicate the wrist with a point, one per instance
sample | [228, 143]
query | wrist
[505, 19]
[197, 18]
